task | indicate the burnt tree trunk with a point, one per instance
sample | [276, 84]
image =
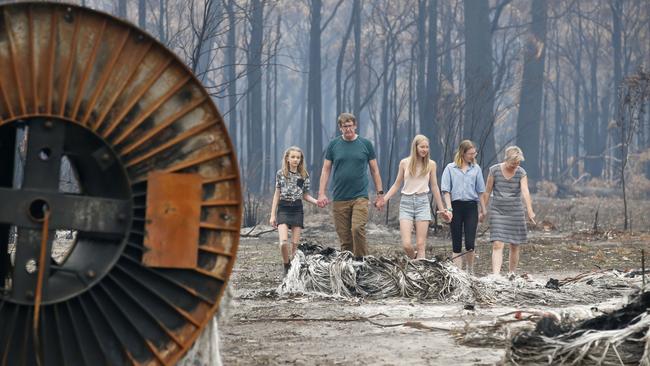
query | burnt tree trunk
[356, 99]
[530, 100]
[478, 123]
[314, 100]
[593, 161]
[254, 80]
[430, 125]
[230, 54]
[616, 7]
[142, 14]
[340, 102]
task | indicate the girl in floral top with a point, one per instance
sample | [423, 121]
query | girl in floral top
[291, 187]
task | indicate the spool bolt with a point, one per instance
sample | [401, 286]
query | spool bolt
[68, 15]
[30, 266]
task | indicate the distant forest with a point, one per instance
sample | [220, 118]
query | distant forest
[546, 75]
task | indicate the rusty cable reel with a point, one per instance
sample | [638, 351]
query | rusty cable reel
[119, 189]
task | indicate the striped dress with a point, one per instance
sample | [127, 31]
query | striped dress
[506, 212]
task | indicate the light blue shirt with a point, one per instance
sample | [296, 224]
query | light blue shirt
[463, 186]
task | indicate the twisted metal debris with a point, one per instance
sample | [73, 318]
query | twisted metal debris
[585, 288]
[326, 270]
[618, 338]
[319, 270]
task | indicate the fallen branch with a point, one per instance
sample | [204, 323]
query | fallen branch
[257, 235]
[411, 324]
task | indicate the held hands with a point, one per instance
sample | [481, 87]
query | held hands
[446, 215]
[481, 216]
[322, 201]
[380, 202]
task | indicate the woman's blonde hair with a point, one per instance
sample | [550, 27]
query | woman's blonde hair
[301, 165]
[514, 153]
[464, 146]
[416, 160]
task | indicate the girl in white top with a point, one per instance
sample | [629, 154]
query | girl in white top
[418, 172]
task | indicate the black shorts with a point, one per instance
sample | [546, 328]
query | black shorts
[290, 213]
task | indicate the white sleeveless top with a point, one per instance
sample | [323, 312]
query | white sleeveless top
[415, 184]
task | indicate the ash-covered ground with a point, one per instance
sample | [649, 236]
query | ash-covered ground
[261, 328]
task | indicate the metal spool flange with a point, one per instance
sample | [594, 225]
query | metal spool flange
[95, 114]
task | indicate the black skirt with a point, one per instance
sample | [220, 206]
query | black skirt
[290, 213]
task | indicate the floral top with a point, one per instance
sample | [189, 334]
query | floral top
[292, 187]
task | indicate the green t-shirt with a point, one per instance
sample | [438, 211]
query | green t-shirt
[350, 167]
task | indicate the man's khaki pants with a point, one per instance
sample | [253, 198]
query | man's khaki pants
[350, 219]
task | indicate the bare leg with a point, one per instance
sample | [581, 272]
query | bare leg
[458, 261]
[405, 230]
[295, 239]
[469, 261]
[497, 257]
[421, 230]
[513, 258]
[283, 231]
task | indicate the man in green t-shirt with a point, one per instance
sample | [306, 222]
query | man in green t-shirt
[349, 155]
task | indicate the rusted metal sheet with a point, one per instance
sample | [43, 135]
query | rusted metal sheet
[172, 219]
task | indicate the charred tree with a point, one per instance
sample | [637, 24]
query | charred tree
[142, 14]
[577, 84]
[616, 7]
[205, 32]
[356, 98]
[339, 63]
[254, 81]
[592, 131]
[162, 22]
[230, 55]
[430, 125]
[478, 123]
[121, 9]
[421, 60]
[530, 100]
[314, 93]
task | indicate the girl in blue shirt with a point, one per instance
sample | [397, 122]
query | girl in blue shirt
[462, 186]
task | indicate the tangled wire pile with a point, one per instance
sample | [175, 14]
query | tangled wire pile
[315, 269]
[325, 271]
[585, 288]
[618, 338]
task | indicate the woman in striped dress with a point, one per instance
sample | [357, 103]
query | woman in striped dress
[507, 183]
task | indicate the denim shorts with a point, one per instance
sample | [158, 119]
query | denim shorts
[415, 207]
